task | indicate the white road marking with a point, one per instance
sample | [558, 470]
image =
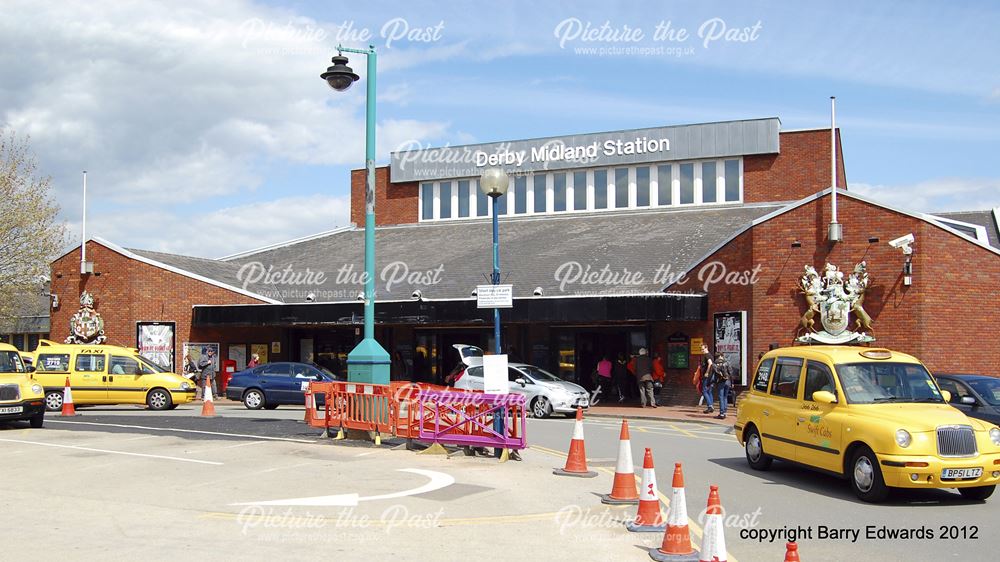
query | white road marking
[438, 480]
[164, 457]
[176, 430]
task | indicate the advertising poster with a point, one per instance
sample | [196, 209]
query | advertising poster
[731, 341]
[238, 353]
[193, 353]
[155, 341]
[260, 349]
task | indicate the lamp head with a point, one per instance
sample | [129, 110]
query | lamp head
[494, 182]
[339, 76]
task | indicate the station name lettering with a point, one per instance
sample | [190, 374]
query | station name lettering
[553, 152]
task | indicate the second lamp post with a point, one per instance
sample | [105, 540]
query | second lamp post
[494, 182]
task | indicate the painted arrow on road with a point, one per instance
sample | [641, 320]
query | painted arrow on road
[438, 480]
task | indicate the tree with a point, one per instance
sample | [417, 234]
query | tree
[30, 237]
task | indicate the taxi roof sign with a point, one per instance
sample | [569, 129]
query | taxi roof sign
[877, 354]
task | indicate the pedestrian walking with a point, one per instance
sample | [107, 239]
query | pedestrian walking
[208, 369]
[706, 378]
[619, 372]
[604, 382]
[723, 380]
[642, 369]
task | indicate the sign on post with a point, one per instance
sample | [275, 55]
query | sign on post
[495, 296]
[495, 374]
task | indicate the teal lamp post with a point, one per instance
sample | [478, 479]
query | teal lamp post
[368, 362]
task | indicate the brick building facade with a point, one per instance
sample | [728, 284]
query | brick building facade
[743, 196]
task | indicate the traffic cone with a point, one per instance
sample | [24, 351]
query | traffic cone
[576, 462]
[68, 410]
[677, 540]
[623, 489]
[713, 543]
[648, 519]
[309, 406]
[208, 405]
[791, 552]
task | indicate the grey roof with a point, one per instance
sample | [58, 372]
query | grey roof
[218, 270]
[30, 314]
[533, 250]
[987, 219]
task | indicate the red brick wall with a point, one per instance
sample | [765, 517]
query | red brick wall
[800, 170]
[941, 319]
[395, 203]
[129, 291]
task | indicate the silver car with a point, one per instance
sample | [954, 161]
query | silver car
[544, 392]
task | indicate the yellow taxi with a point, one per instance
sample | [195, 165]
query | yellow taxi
[21, 397]
[873, 416]
[107, 374]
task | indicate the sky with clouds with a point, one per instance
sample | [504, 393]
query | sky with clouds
[205, 129]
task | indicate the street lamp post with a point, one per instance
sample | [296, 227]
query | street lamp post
[494, 182]
[368, 362]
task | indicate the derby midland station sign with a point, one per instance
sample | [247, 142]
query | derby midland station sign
[659, 144]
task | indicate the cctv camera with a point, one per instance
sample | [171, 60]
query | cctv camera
[475, 292]
[415, 295]
[361, 296]
[310, 297]
[538, 291]
[903, 243]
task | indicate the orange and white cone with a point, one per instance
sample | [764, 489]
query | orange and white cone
[68, 410]
[309, 406]
[576, 462]
[713, 543]
[208, 405]
[677, 540]
[648, 519]
[791, 552]
[623, 488]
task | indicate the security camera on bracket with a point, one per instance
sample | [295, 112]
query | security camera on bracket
[903, 243]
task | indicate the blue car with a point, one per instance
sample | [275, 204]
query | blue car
[273, 384]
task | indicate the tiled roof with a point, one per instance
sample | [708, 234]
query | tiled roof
[986, 219]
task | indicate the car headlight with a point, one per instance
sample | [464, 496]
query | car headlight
[37, 389]
[903, 438]
[995, 436]
[185, 386]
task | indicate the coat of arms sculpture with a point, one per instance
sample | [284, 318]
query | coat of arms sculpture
[86, 326]
[834, 299]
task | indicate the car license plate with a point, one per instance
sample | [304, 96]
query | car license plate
[12, 410]
[960, 473]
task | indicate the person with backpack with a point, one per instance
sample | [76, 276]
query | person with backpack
[722, 377]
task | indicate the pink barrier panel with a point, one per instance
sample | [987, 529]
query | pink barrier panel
[460, 418]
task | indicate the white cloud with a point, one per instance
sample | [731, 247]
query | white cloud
[163, 104]
[218, 232]
[936, 195]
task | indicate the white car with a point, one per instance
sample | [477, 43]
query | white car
[544, 392]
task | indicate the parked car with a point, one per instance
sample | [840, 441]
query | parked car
[544, 392]
[21, 397]
[107, 374]
[274, 384]
[978, 396]
[870, 415]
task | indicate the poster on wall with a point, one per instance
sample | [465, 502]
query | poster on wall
[238, 353]
[731, 341]
[260, 350]
[193, 354]
[678, 348]
[155, 341]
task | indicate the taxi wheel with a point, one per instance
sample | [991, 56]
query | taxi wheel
[866, 477]
[38, 420]
[53, 401]
[756, 457]
[159, 399]
[977, 493]
[253, 399]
